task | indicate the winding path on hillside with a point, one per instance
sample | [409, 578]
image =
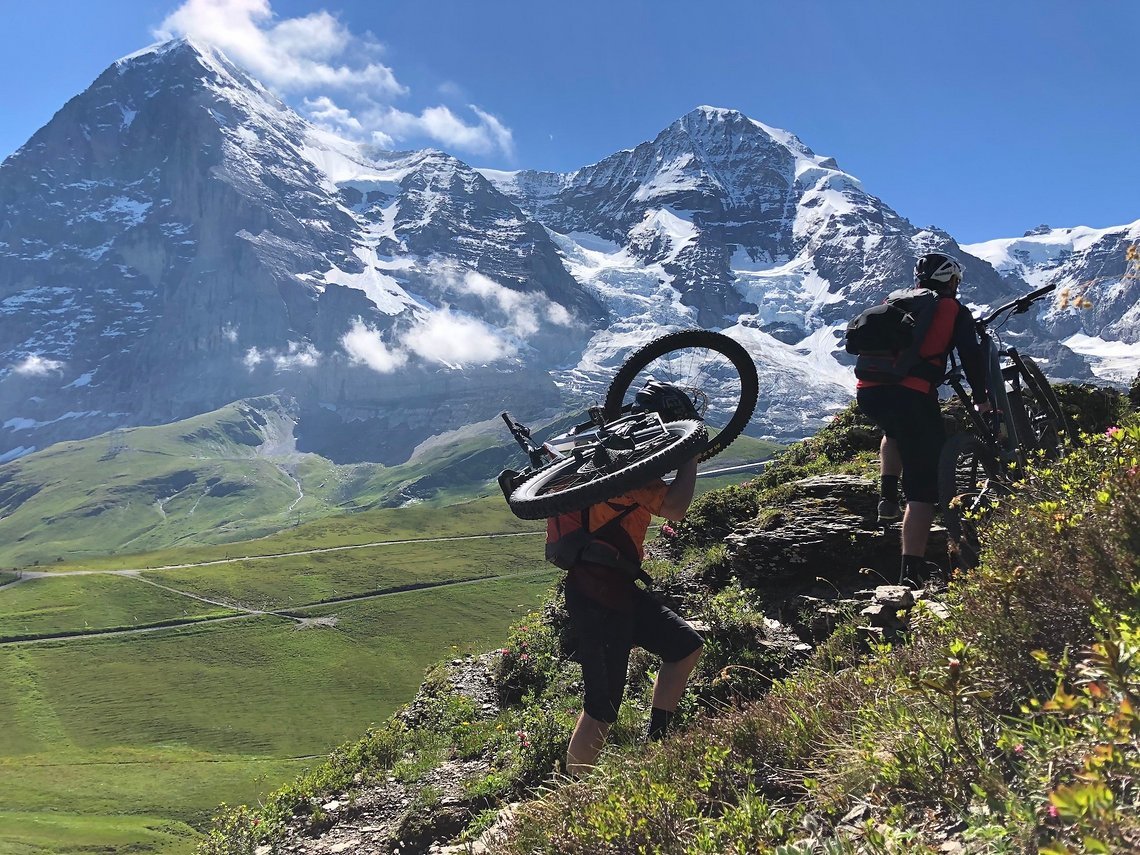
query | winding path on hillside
[25, 575]
[245, 611]
[291, 614]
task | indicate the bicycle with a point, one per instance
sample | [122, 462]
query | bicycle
[1025, 421]
[622, 446]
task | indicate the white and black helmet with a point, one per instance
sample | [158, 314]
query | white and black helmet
[938, 269]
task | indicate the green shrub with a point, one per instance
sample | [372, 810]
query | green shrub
[1072, 536]
[735, 663]
[527, 662]
[715, 514]
[1092, 409]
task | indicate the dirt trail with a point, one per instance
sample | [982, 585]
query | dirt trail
[291, 614]
[134, 571]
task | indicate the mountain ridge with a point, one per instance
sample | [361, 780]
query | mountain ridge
[216, 246]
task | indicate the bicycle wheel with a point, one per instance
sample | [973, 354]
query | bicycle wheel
[589, 477]
[716, 372]
[1036, 381]
[968, 476]
[1033, 432]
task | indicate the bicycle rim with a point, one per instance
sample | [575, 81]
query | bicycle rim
[576, 482]
[716, 371]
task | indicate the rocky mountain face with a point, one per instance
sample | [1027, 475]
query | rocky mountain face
[176, 238]
[1098, 273]
[717, 199]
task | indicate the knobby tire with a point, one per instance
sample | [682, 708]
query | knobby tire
[568, 485]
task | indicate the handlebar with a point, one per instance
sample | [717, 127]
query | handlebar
[1017, 307]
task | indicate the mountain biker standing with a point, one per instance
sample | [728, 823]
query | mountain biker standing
[610, 614]
[909, 414]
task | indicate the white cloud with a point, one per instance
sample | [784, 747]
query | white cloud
[556, 313]
[523, 309]
[500, 134]
[518, 307]
[294, 54]
[230, 332]
[484, 136]
[295, 355]
[455, 340]
[37, 366]
[328, 115]
[364, 345]
[316, 53]
[442, 337]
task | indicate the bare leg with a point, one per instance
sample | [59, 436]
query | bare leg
[890, 461]
[585, 744]
[916, 527]
[671, 681]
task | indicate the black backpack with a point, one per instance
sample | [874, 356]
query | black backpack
[887, 337]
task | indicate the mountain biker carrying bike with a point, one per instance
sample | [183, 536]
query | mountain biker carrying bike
[908, 412]
[609, 614]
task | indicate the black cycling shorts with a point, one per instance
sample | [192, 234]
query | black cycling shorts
[604, 638]
[914, 420]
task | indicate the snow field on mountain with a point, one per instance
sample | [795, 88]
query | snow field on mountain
[1115, 361]
[645, 306]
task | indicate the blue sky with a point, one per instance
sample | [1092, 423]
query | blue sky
[984, 118]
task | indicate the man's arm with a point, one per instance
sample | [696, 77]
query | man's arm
[970, 352]
[680, 493]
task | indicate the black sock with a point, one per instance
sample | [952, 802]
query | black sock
[916, 567]
[659, 721]
[889, 488]
[908, 561]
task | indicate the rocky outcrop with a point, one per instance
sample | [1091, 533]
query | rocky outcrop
[826, 534]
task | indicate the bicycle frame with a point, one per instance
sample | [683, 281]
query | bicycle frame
[621, 434]
[1010, 449]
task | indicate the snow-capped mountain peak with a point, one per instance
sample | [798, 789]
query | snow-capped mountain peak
[177, 238]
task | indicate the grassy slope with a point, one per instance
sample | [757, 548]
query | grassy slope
[166, 725]
[108, 739]
[86, 603]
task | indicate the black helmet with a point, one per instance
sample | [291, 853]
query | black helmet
[937, 270]
[671, 402]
